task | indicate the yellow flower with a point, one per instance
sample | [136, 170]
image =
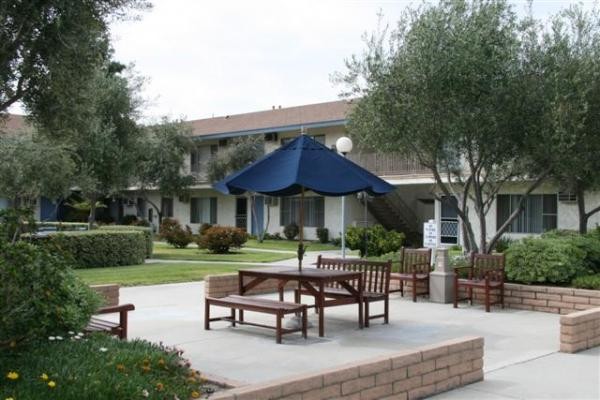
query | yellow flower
[10, 398]
[12, 375]
[160, 387]
[51, 384]
[44, 377]
[13, 344]
[195, 395]
[191, 379]
[146, 368]
[120, 367]
[161, 362]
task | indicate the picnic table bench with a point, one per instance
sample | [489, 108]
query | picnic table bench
[266, 306]
[375, 285]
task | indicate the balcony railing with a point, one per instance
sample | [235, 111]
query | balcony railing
[388, 164]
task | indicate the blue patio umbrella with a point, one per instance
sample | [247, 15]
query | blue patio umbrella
[303, 164]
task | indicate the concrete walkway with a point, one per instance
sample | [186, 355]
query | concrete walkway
[520, 346]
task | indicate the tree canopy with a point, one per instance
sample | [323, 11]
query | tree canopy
[53, 46]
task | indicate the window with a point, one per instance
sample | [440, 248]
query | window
[538, 215]
[201, 155]
[203, 210]
[314, 211]
[318, 138]
[166, 207]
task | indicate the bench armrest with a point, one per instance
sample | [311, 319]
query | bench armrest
[115, 309]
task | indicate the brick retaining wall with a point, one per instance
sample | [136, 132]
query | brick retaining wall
[580, 330]
[557, 300]
[110, 293]
[410, 374]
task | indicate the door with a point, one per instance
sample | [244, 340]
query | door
[258, 210]
[47, 210]
[241, 212]
[449, 223]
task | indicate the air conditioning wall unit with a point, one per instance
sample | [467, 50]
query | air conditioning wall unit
[567, 197]
[272, 201]
[271, 136]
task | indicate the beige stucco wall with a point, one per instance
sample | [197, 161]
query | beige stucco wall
[567, 214]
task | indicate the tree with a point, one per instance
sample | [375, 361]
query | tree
[569, 52]
[32, 166]
[103, 133]
[238, 154]
[161, 159]
[445, 90]
[53, 45]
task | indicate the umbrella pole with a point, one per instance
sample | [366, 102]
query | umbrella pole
[301, 242]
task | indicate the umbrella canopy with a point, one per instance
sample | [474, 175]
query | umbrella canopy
[303, 164]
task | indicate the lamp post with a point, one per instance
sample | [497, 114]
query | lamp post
[344, 146]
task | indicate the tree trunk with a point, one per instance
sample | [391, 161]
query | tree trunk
[583, 217]
[92, 215]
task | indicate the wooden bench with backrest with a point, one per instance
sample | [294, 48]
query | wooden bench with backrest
[267, 306]
[111, 296]
[376, 284]
[415, 267]
[117, 328]
[485, 272]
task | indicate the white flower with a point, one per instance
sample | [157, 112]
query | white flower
[51, 338]
[145, 393]
[59, 338]
[103, 349]
[79, 334]
[71, 333]
[76, 337]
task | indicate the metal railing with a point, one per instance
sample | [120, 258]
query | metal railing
[388, 163]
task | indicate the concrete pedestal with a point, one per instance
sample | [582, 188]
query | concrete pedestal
[441, 280]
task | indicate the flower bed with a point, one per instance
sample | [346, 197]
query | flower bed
[96, 367]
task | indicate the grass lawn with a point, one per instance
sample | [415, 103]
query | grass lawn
[290, 245]
[166, 252]
[154, 274]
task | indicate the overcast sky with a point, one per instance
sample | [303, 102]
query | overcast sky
[204, 58]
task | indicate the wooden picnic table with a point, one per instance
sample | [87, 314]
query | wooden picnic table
[312, 280]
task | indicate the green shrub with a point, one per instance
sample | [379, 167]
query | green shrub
[172, 232]
[275, 236]
[146, 231]
[97, 248]
[99, 368]
[40, 295]
[589, 243]
[129, 219]
[374, 241]
[545, 260]
[219, 239]
[336, 241]
[587, 282]
[323, 235]
[503, 244]
[290, 231]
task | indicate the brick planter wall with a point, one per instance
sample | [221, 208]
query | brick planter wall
[580, 330]
[550, 299]
[411, 374]
[110, 293]
[226, 284]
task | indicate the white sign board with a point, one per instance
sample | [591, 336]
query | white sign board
[430, 234]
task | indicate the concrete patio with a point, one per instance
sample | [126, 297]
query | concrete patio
[521, 359]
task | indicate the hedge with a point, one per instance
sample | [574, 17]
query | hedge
[148, 234]
[545, 260]
[61, 226]
[98, 248]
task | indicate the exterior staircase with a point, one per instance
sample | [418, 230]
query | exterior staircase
[394, 214]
